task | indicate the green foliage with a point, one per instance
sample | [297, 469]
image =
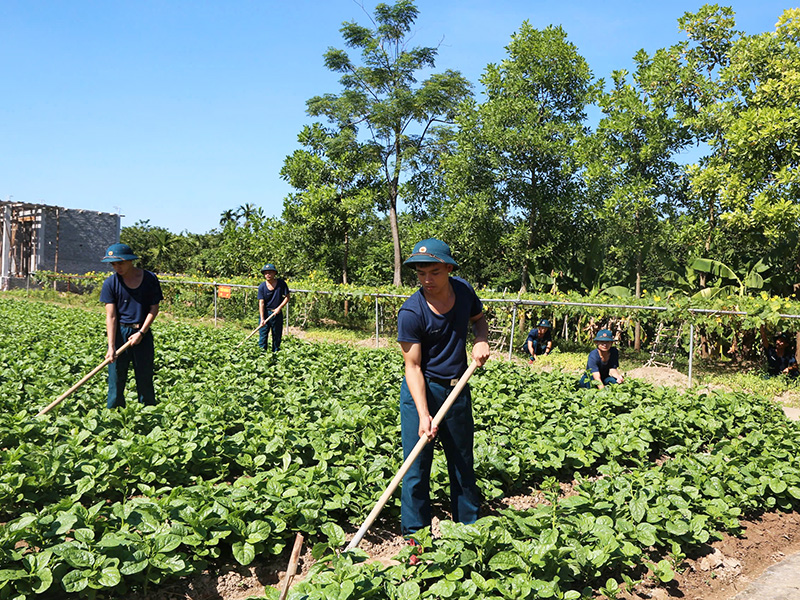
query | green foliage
[631, 168]
[515, 153]
[336, 179]
[241, 452]
[382, 100]
[524, 192]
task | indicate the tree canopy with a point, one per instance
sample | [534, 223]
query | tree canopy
[680, 174]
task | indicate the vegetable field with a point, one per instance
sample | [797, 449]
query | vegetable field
[244, 449]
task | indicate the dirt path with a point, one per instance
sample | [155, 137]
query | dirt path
[792, 413]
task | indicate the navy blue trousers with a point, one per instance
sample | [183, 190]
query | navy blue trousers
[274, 325]
[456, 434]
[142, 356]
[538, 347]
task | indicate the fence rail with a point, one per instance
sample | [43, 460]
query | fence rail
[511, 305]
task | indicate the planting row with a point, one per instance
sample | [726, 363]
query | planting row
[242, 451]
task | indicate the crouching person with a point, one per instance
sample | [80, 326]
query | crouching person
[539, 342]
[602, 366]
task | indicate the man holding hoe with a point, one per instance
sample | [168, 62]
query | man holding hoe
[432, 330]
[131, 296]
[273, 295]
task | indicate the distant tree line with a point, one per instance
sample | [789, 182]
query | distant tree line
[687, 178]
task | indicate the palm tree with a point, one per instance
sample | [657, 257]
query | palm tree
[228, 217]
[251, 215]
[246, 211]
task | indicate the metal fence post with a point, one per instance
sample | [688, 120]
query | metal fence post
[513, 324]
[377, 325]
[215, 304]
[691, 351]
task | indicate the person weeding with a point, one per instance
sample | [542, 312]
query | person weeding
[131, 296]
[273, 295]
[603, 362]
[540, 341]
[780, 357]
[432, 330]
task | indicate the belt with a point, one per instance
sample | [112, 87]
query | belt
[444, 382]
[132, 325]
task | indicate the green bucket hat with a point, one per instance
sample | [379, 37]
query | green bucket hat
[604, 335]
[269, 267]
[118, 253]
[431, 251]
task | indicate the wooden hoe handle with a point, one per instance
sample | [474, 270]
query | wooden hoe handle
[252, 333]
[85, 378]
[423, 441]
[292, 570]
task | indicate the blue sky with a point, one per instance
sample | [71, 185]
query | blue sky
[175, 111]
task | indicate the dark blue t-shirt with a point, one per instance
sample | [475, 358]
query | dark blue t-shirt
[534, 336]
[132, 304]
[443, 337]
[776, 364]
[273, 297]
[595, 365]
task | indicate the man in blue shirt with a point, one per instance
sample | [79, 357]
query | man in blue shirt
[602, 366]
[273, 295]
[539, 340]
[432, 330]
[780, 356]
[131, 296]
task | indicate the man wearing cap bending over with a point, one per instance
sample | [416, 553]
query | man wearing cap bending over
[131, 296]
[539, 341]
[780, 356]
[273, 295]
[603, 363]
[432, 330]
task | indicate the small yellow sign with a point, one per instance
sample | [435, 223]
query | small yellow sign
[224, 291]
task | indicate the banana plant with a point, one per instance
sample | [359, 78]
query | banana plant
[751, 279]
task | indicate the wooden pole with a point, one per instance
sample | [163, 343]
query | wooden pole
[85, 378]
[252, 333]
[292, 569]
[423, 441]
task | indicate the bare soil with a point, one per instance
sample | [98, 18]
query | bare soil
[721, 570]
[717, 571]
[660, 376]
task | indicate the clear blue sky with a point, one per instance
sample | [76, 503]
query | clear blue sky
[176, 110]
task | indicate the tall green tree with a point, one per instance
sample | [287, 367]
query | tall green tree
[739, 96]
[517, 152]
[688, 74]
[632, 168]
[758, 164]
[336, 179]
[382, 100]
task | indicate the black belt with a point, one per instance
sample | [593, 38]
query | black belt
[444, 382]
[132, 325]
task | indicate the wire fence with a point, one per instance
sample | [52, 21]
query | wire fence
[506, 330]
[507, 317]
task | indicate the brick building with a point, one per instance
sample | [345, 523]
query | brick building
[39, 237]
